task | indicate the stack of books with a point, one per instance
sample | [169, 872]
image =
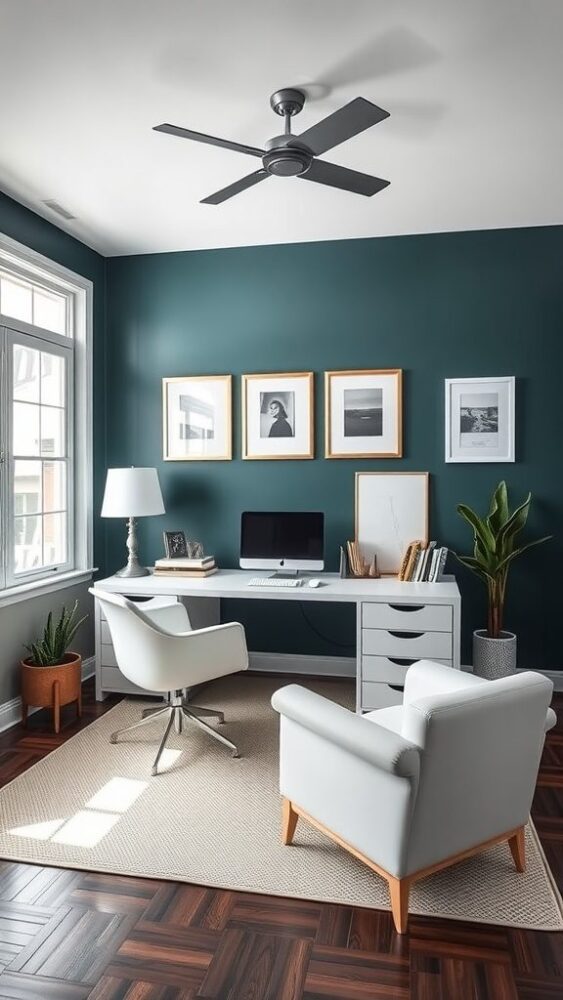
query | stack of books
[423, 563]
[183, 566]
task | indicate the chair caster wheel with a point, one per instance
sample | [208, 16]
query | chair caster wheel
[154, 772]
[236, 755]
[113, 738]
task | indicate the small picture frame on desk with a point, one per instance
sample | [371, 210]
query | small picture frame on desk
[175, 544]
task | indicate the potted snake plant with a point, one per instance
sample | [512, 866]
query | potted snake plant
[51, 675]
[494, 550]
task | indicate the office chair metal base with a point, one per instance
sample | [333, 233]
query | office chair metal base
[177, 712]
[205, 713]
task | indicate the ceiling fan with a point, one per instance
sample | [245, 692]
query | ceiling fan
[289, 155]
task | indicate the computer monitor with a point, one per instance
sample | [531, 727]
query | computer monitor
[285, 541]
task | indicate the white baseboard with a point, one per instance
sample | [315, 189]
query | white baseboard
[11, 711]
[298, 663]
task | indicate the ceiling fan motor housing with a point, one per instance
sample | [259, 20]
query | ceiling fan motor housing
[285, 157]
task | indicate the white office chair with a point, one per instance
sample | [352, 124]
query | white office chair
[158, 651]
[416, 787]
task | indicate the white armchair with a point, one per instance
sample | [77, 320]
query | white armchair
[416, 787]
[159, 651]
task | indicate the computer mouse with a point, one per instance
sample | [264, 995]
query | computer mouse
[314, 583]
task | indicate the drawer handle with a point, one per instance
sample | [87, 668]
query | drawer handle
[397, 687]
[401, 661]
[407, 607]
[406, 635]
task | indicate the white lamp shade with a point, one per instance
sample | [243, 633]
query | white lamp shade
[132, 493]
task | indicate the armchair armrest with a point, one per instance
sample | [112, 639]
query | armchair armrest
[361, 737]
[426, 678]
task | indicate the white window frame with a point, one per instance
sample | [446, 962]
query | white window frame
[30, 265]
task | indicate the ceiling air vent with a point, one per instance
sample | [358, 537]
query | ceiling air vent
[55, 207]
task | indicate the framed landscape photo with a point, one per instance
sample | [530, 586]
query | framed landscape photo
[363, 413]
[277, 415]
[196, 418]
[391, 512]
[480, 419]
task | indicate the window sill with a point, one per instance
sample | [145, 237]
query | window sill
[26, 591]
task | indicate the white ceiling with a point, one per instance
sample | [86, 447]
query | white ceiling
[474, 140]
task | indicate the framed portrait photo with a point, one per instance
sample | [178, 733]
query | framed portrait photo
[363, 413]
[391, 512]
[277, 415]
[480, 419]
[196, 418]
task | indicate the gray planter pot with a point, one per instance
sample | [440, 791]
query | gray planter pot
[493, 658]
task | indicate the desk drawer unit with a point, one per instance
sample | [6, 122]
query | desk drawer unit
[393, 636]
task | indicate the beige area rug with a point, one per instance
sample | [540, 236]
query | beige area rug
[214, 821]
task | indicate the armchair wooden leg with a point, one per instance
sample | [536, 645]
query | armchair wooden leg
[517, 845]
[399, 893]
[289, 821]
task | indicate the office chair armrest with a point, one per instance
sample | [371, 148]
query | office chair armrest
[361, 737]
[426, 678]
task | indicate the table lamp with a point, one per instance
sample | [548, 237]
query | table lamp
[132, 493]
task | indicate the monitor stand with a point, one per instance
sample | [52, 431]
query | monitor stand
[284, 574]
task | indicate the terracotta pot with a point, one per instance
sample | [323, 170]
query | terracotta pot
[51, 687]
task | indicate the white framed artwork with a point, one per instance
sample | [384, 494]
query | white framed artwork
[363, 413]
[480, 419]
[196, 418]
[391, 512]
[277, 415]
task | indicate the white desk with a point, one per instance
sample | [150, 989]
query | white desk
[397, 623]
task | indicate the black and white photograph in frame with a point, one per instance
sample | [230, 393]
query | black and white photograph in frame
[363, 413]
[196, 418]
[175, 544]
[277, 415]
[480, 419]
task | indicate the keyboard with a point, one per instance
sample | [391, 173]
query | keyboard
[268, 581]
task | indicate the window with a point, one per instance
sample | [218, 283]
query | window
[45, 446]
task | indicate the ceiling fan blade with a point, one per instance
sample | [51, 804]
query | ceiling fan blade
[245, 182]
[354, 117]
[340, 177]
[211, 140]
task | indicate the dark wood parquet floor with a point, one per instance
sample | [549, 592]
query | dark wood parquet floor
[69, 935]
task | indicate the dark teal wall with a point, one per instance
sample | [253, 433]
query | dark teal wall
[30, 229]
[463, 304]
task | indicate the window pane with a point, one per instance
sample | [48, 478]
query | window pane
[52, 379]
[26, 429]
[26, 374]
[15, 299]
[52, 431]
[54, 486]
[27, 487]
[28, 543]
[54, 539]
[49, 310]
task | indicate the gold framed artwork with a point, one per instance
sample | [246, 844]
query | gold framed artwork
[391, 511]
[364, 413]
[277, 415]
[197, 418]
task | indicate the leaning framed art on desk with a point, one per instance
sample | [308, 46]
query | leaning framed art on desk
[196, 418]
[391, 512]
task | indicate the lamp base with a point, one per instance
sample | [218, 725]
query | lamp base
[132, 570]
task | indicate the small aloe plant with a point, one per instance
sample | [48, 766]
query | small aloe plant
[495, 548]
[50, 650]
